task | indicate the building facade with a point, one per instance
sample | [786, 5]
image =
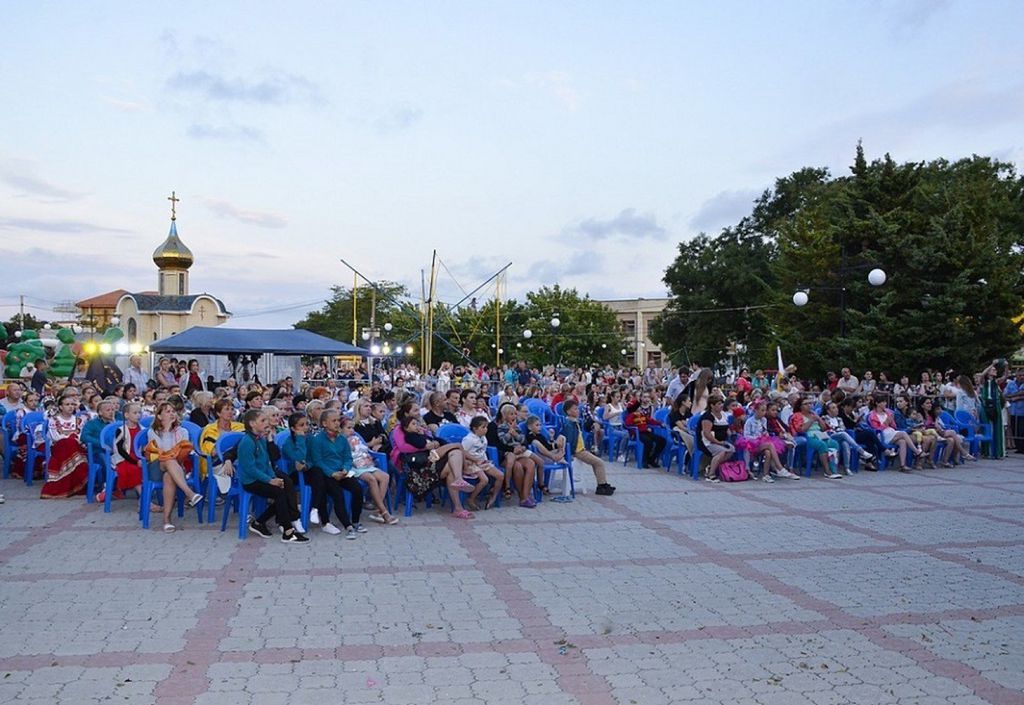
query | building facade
[635, 316]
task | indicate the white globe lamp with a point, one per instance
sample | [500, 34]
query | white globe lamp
[527, 333]
[388, 327]
[800, 298]
[876, 277]
[555, 322]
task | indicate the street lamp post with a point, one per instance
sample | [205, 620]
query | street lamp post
[555, 322]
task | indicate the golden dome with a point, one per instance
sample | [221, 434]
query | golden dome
[173, 254]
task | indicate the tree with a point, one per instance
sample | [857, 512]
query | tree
[335, 319]
[588, 331]
[950, 236]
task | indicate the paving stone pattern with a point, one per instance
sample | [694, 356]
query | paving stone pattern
[876, 589]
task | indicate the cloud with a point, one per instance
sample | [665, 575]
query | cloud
[225, 133]
[261, 219]
[912, 15]
[19, 174]
[559, 84]
[126, 106]
[59, 275]
[628, 224]
[56, 226]
[724, 208]
[398, 118]
[546, 272]
[277, 88]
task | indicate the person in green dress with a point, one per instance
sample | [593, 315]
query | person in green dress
[992, 403]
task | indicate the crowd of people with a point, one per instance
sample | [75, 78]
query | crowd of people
[484, 435]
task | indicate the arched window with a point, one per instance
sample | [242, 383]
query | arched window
[133, 330]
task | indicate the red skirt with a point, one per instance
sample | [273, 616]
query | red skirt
[129, 475]
[68, 471]
[18, 461]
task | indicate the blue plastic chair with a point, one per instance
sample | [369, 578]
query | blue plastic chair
[673, 448]
[146, 421]
[976, 432]
[29, 422]
[615, 440]
[10, 430]
[451, 433]
[238, 499]
[107, 447]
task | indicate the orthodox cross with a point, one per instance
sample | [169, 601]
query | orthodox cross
[174, 201]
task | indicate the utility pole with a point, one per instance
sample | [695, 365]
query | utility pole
[22, 315]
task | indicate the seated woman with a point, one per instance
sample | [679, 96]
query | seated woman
[884, 421]
[68, 470]
[521, 467]
[757, 441]
[257, 476]
[224, 422]
[613, 414]
[923, 431]
[427, 463]
[127, 465]
[375, 478]
[805, 421]
[712, 435]
[474, 450]
[168, 447]
[847, 444]
[467, 407]
[202, 409]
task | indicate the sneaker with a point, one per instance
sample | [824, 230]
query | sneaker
[392, 520]
[768, 478]
[196, 499]
[314, 517]
[833, 476]
[294, 537]
[849, 471]
[374, 516]
[297, 525]
[2, 499]
[891, 453]
[360, 529]
[785, 473]
[864, 455]
[621, 459]
[605, 490]
[711, 479]
[219, 501]
[350, 534]
[331, 529]
[260, 529]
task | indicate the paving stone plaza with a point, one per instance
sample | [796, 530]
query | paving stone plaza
[882, 588]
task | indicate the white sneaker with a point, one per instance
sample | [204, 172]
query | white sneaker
[787, 474]
[864, 455]
[314, 516]
[849, 471]
[621, 459]
[833, 476]
[768, 478]
[297, 525]
[331, 529]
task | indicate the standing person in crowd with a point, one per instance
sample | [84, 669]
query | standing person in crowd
[712, 436]
[331, 454]
[168, 447]
[992, 405]
[677, 385]
[700, 391]
[573, 432]
[165, 377]
[192, 380]
[867, 385]
[1015, 395]
[68, 470]
[38, 383]
[257, 476]
[135, 374]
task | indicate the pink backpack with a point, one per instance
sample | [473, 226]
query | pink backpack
[733, 471]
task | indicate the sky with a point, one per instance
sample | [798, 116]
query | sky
[580, 141]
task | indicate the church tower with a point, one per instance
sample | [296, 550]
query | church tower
[173, 260]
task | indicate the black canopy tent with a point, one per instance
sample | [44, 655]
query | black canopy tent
[244, 345]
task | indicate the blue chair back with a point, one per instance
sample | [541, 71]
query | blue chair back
[32, 419]
[227, 441]
[661, 415]
[107, 436]
[194, 431]
[537, 407]
[146, 421]
[964, 419]
[559, 407]
[451, 433]
[492, 403]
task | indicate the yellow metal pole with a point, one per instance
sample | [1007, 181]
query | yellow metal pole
[355, 311]
[497, 323]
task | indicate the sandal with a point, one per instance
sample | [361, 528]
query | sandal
[462, 514]
[169, 528]
[472, 506]
[508, 493]
[543, 488]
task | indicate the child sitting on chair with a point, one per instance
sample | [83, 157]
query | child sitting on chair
[549, 448]
[364, 469]
[475, 462]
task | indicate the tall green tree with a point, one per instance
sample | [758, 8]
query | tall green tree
[588, 331]
[949, 235]
[335, 319]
